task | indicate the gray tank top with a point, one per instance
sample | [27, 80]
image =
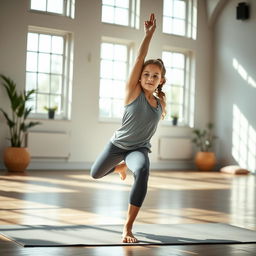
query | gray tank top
[139, 124]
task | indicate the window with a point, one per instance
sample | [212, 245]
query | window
[178, 87]
[179, 17]
[47, 71]
[61, 7]
[121, 12]
[113, 75]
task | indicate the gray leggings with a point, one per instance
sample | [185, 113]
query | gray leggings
[136, 160]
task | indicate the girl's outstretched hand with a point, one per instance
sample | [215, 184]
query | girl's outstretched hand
[150, 25]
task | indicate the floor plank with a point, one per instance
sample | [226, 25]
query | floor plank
[72, 197]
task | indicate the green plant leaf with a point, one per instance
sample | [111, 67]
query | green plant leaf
[9, 121]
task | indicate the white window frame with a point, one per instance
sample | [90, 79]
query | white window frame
[67, 75]
[133, 14]
[188, 89]
[190, 18]
[129, 46]
[68, 9]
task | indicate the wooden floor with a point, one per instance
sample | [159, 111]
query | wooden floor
[72, 197]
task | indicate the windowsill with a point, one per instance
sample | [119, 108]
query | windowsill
[50, 13]
[119, 25]
[169, 124]
[48, 119]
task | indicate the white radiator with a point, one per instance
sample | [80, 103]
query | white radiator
[49, 144]
[173, 148]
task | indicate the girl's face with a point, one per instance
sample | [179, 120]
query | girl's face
[151, 77]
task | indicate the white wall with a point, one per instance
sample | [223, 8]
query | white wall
[88, 134]
[234, 85]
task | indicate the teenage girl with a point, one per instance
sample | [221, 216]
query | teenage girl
[144, 105]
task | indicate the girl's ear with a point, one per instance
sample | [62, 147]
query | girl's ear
[161, 81]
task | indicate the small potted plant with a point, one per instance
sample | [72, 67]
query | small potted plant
[175, 118]
[17, 157]
[51, 111]
[205, 159]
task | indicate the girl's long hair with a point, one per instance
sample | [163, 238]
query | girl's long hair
[158, 92]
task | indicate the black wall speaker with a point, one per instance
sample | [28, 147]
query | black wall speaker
[242, 11]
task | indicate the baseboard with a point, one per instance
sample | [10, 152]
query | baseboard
[49, 165]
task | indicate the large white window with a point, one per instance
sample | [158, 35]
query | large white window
[179, 87]
[61, 7]
[47, 71]
[179, 17]
[113, 74]
[121, 12]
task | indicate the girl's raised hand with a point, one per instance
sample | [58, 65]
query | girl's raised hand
[150, 25]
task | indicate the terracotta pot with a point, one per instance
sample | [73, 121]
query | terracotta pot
[205, 161]
[16, 159]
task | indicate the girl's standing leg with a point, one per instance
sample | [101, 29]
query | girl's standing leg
[138, 162]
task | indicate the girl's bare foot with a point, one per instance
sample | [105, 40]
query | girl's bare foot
[121, 169]
[128, 237]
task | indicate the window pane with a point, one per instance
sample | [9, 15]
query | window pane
[169, 75]
[56, 84]
[42, 101]
[106, 69]
[113, 76]
[107, 14]
[167, 8]
[108, 2]
[167, 91]
[118, 107]
[177, 77]
[56, 65]
[167, 25]
[106, 88]
[178, 60]
[32, 44]
[121, 16]
[179, 27]
[57, 44]
[167, 56]
[39, 5]
[43, 83]
[118, 89]
[120, 52]
[180, 9]
[55, 6]
[107, 51]
[177, 95]
[122, 3]
[119, 70]
[44, 62]
[105, 107]
[30, 81]
[55, 101]
[31, 61]
[176, 109]
[32, 103]
[44, 43]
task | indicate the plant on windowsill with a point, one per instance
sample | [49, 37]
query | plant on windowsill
[175, 119]
[205, 159]
[17, 157]
[51, 111]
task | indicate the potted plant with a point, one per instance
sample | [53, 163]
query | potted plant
[205, 159]
[16, 157]
[175, 118]
[51, 111]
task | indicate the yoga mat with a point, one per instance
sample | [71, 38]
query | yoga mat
[110, 235]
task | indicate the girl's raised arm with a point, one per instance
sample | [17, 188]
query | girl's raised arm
[132, 88]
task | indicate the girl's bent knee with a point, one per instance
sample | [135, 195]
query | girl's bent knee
[94, 174]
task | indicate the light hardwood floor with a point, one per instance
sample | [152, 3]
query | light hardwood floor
[72, 197]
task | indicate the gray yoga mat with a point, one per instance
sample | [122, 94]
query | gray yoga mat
[110, 235]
